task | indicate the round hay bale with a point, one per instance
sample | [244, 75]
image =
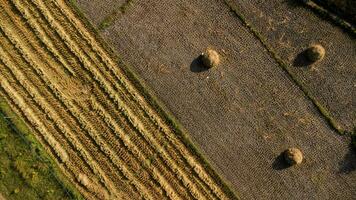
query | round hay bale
[315, 53]
[293, 156]
[210, 58]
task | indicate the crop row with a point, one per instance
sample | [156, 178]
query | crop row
[103, 83]
[125, 146]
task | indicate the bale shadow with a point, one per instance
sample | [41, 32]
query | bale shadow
[348, 164]
[197, 65]
[302, 60]
[280, 163]
[294, 3]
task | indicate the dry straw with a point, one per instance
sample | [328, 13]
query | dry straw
[293, 156]
[315, 53]
[210, 58]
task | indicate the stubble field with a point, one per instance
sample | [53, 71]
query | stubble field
[244, 113]
[103, 132]
[289, 28]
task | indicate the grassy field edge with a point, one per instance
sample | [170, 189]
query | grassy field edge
[159, 106]
[20, 127]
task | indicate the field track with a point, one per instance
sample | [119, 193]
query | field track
[106, 137]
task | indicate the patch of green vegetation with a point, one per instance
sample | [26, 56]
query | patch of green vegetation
[26, 171]
[110, 19]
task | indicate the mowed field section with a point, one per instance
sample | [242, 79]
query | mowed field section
[243, 113]
[289, 29]
[106, 137]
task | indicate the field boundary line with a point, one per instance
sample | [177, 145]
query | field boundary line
[162, 111]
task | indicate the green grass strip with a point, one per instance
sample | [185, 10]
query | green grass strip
[110, 19]
[26, 170]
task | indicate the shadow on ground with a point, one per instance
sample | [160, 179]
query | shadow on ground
[197, 65]
[302, 60]
[294, 3]
[348, 164]
[280, 163]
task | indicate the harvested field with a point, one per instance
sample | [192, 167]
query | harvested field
[245, 112]
[289, 28]
[106, 136]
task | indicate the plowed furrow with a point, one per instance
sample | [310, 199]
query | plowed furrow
[46, 42]
[12, 61]
[38, 25]
[57, 127]
[33, 115]
[132, 133]
[100, 157]
[130, 147]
